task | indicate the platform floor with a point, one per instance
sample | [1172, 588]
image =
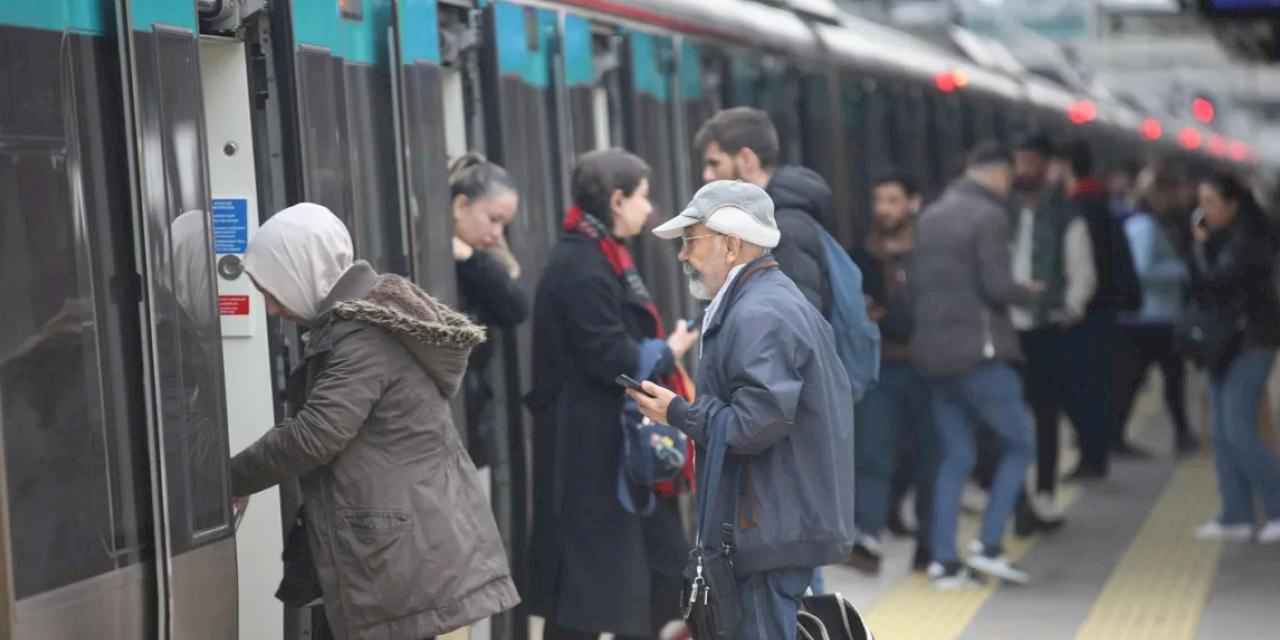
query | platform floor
[1124, 566]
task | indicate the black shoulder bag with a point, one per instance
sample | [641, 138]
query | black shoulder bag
[710, 596]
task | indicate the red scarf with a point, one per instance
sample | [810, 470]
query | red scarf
[1087, 187]
[624, 266]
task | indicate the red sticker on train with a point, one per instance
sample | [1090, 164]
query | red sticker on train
[233, 305]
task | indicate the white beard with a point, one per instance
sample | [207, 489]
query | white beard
[699, 290]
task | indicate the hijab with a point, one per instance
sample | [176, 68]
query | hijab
[298, 255]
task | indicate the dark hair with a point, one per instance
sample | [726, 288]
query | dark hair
[1078, 154]
[473, 176]
[1233, 189]
[988, 153]
[599, 173]
[898, 177]
[740, 128]
[1035, 141]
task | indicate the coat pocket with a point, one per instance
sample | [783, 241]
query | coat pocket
[376, 562]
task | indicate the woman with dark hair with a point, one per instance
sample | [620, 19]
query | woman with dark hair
[1232, 264]
[484, 201]
[597, 567]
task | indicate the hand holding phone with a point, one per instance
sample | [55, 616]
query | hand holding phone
[630, 383]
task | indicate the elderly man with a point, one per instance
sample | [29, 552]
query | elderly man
[770, 383]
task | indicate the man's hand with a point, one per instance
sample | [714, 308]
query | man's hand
[654, 405]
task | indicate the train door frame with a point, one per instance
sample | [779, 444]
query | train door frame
[195, 588]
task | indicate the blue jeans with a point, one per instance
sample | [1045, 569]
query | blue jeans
[770, 603]
[892, 414]
[1245, 466]
[990, 395]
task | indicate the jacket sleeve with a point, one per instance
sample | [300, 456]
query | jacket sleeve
[497, 298]
[1236, 262]
[1141, 232]
[765, 385]
[341, 399]
[995, 264]
[799, 255]
[595, 332]
[1081, 270]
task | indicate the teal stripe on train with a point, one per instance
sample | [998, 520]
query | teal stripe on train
[647, 53]
[515, 56]
[419, 31]
[690, 71]
[145, 14]
[84, 16]
[579, 65]
[319, 23]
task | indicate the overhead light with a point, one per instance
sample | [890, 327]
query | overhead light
[1189, 138]
[1082, 112]
[1203, 110]
[1152, 129]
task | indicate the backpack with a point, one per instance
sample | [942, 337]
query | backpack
[857, 337]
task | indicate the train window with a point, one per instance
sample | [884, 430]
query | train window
[609, 120]
[71, 391]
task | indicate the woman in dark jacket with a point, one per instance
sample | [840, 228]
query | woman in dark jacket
[1232, 269]
[596, 567]
[484, 201]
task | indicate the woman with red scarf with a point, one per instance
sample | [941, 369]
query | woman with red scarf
[597, 567]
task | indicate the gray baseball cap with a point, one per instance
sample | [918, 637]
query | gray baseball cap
[731, 207]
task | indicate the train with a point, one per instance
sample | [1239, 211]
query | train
[142, 142]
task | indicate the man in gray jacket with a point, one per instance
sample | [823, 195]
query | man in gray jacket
[964, 344]
[770, 382]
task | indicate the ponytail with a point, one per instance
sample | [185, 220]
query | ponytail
[473, 176]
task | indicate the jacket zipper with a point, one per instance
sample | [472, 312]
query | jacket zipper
[988, 343]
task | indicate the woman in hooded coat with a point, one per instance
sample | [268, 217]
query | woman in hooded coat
[403, 543]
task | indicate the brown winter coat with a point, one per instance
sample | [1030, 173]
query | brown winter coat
[403, 540]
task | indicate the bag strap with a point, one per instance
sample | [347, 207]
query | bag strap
[716, 449]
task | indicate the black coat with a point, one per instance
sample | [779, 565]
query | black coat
[592, 561]
[1118, 286]
[802, 204]
[1234, 270]
[492, 298]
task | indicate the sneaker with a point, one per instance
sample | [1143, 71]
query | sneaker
[1214, 531]
[996, 565]
[1046, 507]
[949, 576]
[675, 630]
[866, 556]
[921, 559]
[1270, 533]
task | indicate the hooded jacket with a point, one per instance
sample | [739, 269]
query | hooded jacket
[400, 531]
[802, 207]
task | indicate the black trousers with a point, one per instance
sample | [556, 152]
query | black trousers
[320, 626]
[1140, 347]
[664, 606]
[1064, 373]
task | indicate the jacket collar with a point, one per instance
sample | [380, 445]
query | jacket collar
[973, 187]
[731, 296]
[355, 284]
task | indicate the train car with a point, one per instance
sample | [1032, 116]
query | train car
[142, 141]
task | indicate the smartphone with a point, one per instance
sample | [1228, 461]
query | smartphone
[1197, 218]
[629, 382]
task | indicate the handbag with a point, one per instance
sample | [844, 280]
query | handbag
[711, 607]
[651, 453]
[1210, 335]
[300, 584]
[830, 617]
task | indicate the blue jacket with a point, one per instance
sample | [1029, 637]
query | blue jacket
[1163, 272]
[771, 380]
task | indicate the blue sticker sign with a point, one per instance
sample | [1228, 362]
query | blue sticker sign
[230, 225]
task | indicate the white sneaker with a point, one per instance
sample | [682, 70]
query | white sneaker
[1046, 506]
[1270, 533]
[995, 566]
[1214, 531]
[945, 578]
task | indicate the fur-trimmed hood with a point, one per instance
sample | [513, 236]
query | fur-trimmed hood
[440, 338]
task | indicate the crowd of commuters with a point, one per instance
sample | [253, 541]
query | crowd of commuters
[1027, 291]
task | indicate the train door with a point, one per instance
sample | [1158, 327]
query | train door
[242, 317]
[77, 537]
[196, 550]
[656, 132]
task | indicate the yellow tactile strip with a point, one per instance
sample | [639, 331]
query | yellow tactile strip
[914, 610]
[1159, 588]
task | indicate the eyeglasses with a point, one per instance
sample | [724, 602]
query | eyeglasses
[685, 241]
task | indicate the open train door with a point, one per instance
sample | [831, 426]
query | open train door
[194, 544]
